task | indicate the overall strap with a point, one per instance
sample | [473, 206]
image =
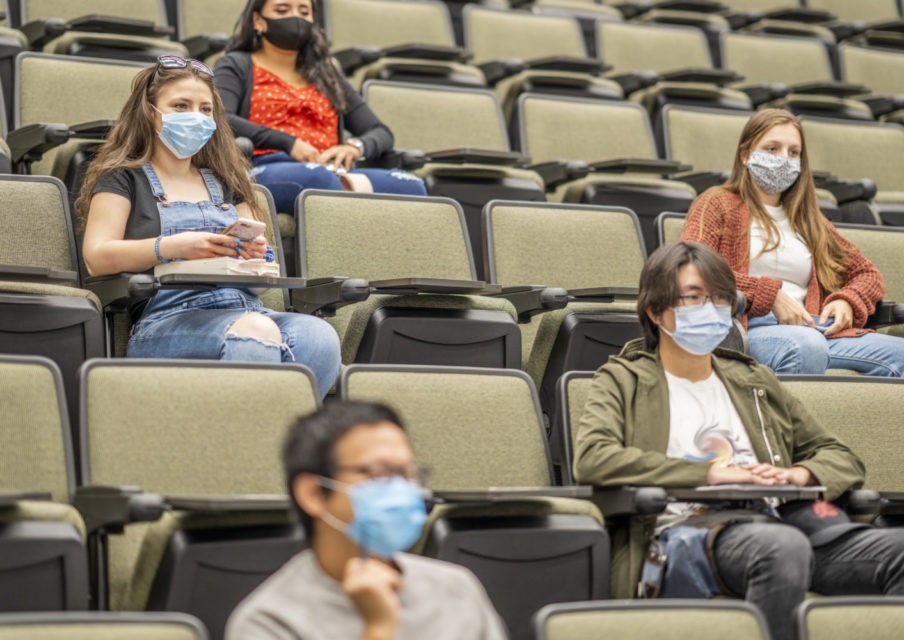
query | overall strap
[213, 187]
[154, 181]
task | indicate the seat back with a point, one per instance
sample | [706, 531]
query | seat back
[772, 58]
[200, 17]
[641, 619]
[760, 5]
[629, 46]
[385, 23]
[95, 89]
[558, 128]
[150, 10]
[379, 237]
[872, 150]
[859, 410]
[879, 69]
[883, 246]
[568, 246]
[474, 428]
[434, 118]
[276, 299]
[495, 34]
[707, 139]
[98, 625]
[35, 440]
[571, 396]
[847, 617]
[861, 11]
[669, 227]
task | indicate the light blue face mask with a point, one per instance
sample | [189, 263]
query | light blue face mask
[699, 330]
[389, 514]
[186, 133]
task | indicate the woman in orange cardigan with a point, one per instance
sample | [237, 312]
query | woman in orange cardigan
[809, 290]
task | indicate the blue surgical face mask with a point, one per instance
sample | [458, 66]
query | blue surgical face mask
[186, 133]
[699, 330]
[389, 514]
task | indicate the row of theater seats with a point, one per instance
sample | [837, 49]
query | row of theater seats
[179, 503]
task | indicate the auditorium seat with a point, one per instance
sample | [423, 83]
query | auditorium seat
[480, 429]
[614, 140]
[96, 625]
[425, 305]
[397, 40]
[134, 30]
[182, 482]
[43, 561]
[847, 618]
[596, 254]
[204, 26]
[463, 134]
[882, 71]
[676, 619]
[540, 53]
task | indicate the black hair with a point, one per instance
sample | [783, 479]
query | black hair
[314, 62]
[310, 445]
[659, 281]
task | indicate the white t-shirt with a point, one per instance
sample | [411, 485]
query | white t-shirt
[703, 425]
[791, 261]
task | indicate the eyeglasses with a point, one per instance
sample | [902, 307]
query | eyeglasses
[178, 62]
[411, 472]
[698, 300]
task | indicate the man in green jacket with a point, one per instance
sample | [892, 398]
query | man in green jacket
[672, 410]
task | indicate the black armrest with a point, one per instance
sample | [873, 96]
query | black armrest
[27, 144]
[891, 503]
[568, 63]
[694, 6]
[110, 508]
[96, 129]
[891, 26]
[327, 294]
[20, 273]
[887, 312]
[640, 165]
[703, 180]
[119, 26]
[558, 172]
[479, 156]
[836, 89]
[713, 76]
[226, 504]
[533, 299]
[426, 52]
[496, 70]
[408, 159]
[848, 190]
[630, 501]
[601, 294]
[737, 20]
[635, 80]
[40, 32]
[881, 104]
[888, 39]
[861, 501]
[414, 285]
[764, 92]
[356, 57]
[204, 45]
[115, 292]
[799, 14]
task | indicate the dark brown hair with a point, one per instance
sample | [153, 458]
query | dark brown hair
[800, 201]
[131, 141]
[659, 281]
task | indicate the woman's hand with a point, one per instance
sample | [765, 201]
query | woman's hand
[303, 152]
[342, 155]
[787, 310]
[191, 245]
[843, 313]
[253, 249]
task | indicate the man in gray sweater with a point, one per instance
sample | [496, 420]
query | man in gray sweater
[351, 472]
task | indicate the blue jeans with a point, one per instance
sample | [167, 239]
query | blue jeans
[773, 565]
[798, 349]
[199, 329]
[286, 178]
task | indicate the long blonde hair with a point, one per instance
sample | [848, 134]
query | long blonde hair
[830, 259]
[131, 140]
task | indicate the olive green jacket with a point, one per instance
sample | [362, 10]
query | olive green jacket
[624, 432]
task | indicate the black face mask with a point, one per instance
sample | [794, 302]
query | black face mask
[291, 34]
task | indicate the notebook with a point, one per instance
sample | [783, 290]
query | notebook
[224, 265]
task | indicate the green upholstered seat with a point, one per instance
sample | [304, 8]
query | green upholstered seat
[848, 618]
[101, 626]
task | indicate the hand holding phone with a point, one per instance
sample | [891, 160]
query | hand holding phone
[245, 229]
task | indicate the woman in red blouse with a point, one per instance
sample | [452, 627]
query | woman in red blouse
[281, 90]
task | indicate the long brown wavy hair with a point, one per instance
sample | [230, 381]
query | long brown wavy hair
[131, 141]
[801, 204]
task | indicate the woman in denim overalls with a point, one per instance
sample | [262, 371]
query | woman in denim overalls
[163, 187]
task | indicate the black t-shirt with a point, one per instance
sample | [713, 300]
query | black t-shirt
[144, 219]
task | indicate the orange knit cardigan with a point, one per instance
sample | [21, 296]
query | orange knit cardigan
[720, 219]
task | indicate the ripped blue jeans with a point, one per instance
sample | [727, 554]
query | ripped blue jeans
[197, 327]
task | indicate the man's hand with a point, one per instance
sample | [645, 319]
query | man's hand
[733, 474]
[373, 587]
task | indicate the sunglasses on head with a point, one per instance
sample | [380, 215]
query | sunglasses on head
[178, 62]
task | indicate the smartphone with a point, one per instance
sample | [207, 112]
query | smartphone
[823, 327]
[245, 229]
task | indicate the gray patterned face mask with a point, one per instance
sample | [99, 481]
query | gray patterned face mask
[773, 174]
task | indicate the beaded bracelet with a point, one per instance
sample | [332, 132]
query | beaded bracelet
[160, 258]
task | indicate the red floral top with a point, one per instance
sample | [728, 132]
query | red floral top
[303, 112]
